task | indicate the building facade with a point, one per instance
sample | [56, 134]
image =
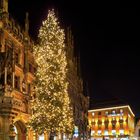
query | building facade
[111, 122]
[17, 68]
[137, 129]
[80, 101]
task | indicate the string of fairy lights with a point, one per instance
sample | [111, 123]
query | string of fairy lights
[51, 107]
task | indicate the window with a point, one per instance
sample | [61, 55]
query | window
[23, 87]
[29, 88]
[121, 110]
[121, 132]
[16, 58]
[2, 80]
[106, 124]
[41, 137]
[92, 132]
[92, 113]
[106, 113]
[121, 123]
[99, 124]
[113, 123]
[113, 112]
[17, 82]
[9, 79]
[99, 113]
[106, 132]
[16, 137]
[30, 68]
[121, 118]
[99, 132]
[113, 132]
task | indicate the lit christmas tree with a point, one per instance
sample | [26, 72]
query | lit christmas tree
[51, 106]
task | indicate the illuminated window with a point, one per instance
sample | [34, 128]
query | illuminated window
[29, 88]
[92, 132]
[99, 124]
[113, 112]
[99, 132]
[113, 132]
[113, 123]
[41, 137]
[106, 124]
[92, 113]
[121, 118]
[23, 86]
[121, 132]
[106, 133]
[9, 79]
[121, 110]
[17, 83]
[16, 137]
[106, 113]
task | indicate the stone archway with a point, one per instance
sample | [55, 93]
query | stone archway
[20, 130]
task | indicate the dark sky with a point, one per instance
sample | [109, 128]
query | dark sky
[106, 34]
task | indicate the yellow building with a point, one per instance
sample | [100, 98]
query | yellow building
[111, 122]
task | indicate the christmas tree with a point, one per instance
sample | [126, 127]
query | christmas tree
[51, 105]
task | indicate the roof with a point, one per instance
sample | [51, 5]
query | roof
[108, 103]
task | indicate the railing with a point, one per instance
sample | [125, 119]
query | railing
[8, 103]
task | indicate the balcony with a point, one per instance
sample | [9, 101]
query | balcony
[11, 105]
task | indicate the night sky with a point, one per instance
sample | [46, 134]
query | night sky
[106, 34]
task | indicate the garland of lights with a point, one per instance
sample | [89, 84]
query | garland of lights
[51, 107]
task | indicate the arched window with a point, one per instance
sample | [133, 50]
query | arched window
[16, 137]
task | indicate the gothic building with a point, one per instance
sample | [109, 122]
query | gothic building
[80, 101]
[17, 67]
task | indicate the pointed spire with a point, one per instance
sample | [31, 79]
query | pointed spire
[27, 23]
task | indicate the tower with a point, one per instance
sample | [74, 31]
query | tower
[75, 89]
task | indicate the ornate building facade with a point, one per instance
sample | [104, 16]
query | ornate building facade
[79, 100]
[112, 122]
[17, 67]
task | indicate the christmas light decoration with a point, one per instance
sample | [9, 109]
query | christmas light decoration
[51, 105]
